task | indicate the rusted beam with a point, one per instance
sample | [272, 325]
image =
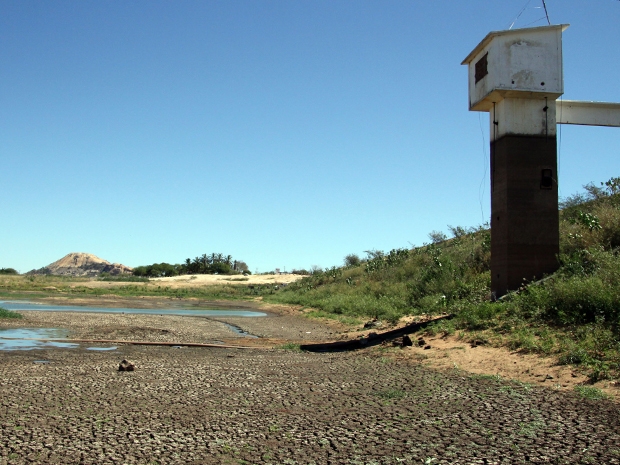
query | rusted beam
[372, 339]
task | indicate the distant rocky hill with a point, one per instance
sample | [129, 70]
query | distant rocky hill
[82, 264]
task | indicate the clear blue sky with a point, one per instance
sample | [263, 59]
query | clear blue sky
[284, 133]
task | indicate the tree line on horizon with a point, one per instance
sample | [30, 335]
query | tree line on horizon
[214, 263]
[8, 271]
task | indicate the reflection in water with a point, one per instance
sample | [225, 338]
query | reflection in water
[17, 305]
[24, 339]
[42, 338]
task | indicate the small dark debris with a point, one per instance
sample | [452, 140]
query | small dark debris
[126, 365]
[374, 323]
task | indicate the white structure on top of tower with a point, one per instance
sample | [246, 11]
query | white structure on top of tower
[518, 63]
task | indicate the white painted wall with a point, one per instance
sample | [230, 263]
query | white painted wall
[519, 116]
[524, 63]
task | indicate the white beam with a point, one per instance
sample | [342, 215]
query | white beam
[588, 113]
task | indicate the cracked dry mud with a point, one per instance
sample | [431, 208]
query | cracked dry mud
[275, 406]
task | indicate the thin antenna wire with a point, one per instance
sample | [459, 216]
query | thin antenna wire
[534, 22]
[519, 15]
[484, 176]
[546, 13]
[559, 129]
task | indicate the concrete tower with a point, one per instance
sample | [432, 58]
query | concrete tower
[516, 76]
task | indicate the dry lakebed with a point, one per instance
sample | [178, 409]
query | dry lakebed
[268, 403]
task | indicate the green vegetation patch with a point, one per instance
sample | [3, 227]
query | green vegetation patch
[10, 271]
[214, 263]
[291, 346]
[4, 313]
[590, 392]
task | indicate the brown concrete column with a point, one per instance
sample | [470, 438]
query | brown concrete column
[524, 210]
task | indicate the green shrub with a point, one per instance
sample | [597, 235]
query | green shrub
[590, 392]
[574, 357]
[476, 317]
[291, 346]
[352, 260]
[4, 313]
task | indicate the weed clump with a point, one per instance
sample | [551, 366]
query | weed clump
[589, 392]
[4, 313]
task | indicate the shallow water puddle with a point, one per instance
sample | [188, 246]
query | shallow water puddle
[40, 338]
[19, 305]
[34, 338]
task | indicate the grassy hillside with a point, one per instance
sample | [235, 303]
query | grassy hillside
[573, 314]
[430, 279]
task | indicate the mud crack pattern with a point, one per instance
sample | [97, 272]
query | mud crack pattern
[218, 406]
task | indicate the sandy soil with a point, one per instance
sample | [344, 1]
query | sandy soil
[177, 282]
[209, 279]
[450, 353]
